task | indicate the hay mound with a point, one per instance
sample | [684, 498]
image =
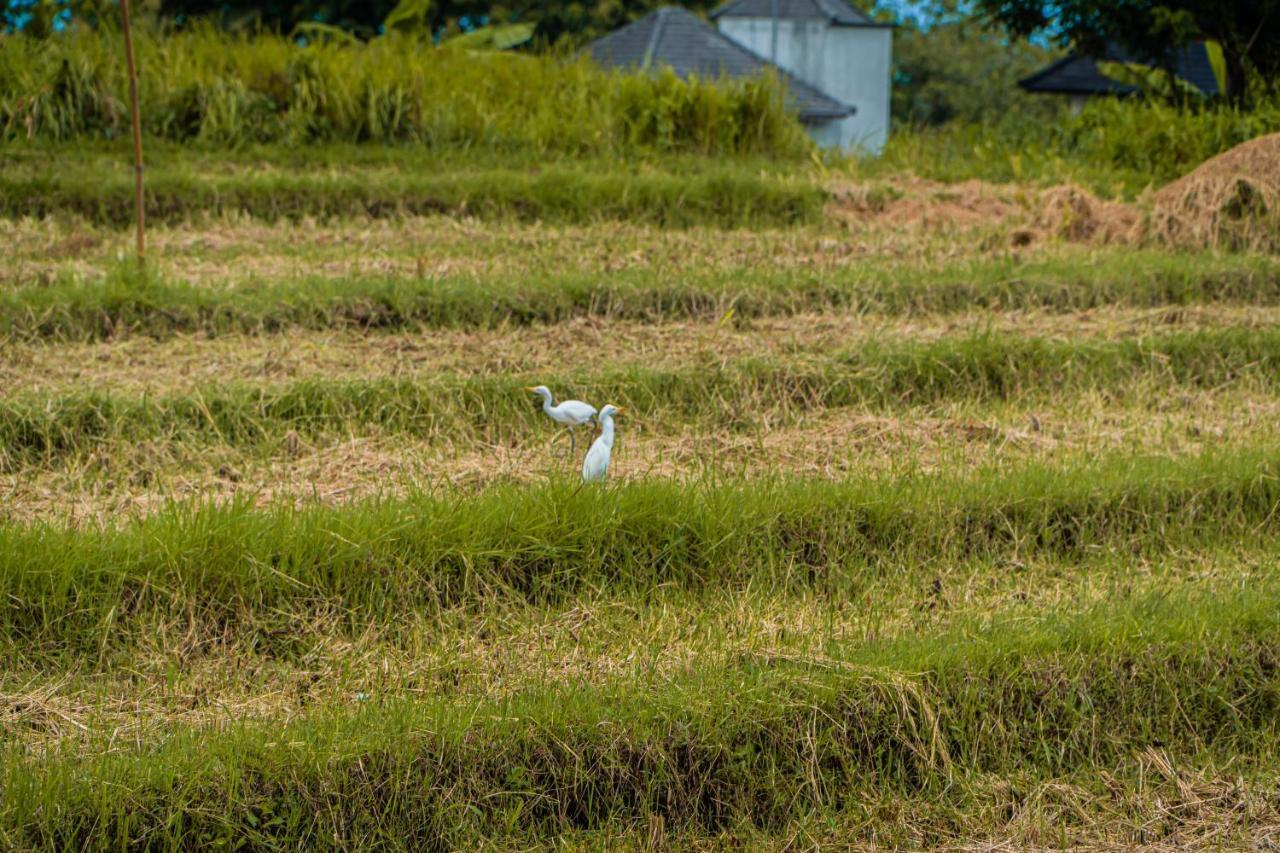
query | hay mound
[1077, 216]
[1230, 202]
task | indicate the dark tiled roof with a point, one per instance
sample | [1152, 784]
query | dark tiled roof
[834, 11]
[688, 45]
[1079, 75]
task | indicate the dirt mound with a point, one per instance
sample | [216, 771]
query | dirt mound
[1231, 201]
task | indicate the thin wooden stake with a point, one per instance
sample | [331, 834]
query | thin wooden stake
[137, 132]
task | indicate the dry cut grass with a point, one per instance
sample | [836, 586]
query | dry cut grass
[162, 366]
[125, 480]
[239, 250]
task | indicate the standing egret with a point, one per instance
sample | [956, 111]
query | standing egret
[571, 413]
[596, 465]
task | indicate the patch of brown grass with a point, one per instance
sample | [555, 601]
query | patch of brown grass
[993, 216]
[236, 250]
[1077, 216]
[912, 201]
[140, 364]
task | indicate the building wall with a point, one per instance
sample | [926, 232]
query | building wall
[851, 64]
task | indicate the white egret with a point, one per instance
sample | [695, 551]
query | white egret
[596, 465]
[571, 413]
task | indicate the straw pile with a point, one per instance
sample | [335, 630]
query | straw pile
[1229, 202]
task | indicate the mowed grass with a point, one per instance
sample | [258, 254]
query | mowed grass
[737, 394]
[126, 303]
[217, 566]
[912, 540]
[184, 362]
[93, 182]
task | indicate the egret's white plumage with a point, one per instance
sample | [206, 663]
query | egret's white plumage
[596, 465]
[571, 413]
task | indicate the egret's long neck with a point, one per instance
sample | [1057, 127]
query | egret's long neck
[606, 429]
[546, 403]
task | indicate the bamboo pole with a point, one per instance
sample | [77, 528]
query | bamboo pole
[137, 131]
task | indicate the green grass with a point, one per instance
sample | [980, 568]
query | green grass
[1115, 147]
[750, 747]
[41, 429]
[123, 302]
[70, 592]
[726, 195]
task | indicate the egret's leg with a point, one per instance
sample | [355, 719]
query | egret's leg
[572, 443]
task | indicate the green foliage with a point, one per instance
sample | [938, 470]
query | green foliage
[410, 17]
[1218, 62]
[567, 23]
[43, 18]
[1114, 146]
[958, 69]
[1248, 31]
[1150, 81]
[498, 37]
[202, 85]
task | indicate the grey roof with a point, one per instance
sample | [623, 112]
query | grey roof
[673, 37]
[836, 12]
[1079, 75]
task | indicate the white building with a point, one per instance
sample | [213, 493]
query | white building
[831, 46]
[833, 59]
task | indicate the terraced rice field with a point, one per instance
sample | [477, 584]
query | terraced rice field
[914, 538]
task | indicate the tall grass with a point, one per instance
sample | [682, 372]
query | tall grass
[125, 302]
[208, 86]
[712, 752]
[1117, 147]
[206, 569]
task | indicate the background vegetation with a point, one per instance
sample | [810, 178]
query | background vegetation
[234, 90]
[1115, 147]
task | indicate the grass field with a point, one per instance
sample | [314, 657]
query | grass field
[919, 533]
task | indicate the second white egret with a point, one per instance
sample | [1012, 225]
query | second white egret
[571, 413]
[596, 465]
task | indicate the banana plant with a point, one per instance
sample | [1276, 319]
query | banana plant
[413, 18]
[43, 18]
[1162, 84]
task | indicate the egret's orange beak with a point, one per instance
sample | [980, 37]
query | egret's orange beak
[529, 388]
[619, 411]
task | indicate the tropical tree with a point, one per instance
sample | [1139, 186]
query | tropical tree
[570, 23]
[949, 65]
[1246, 31]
